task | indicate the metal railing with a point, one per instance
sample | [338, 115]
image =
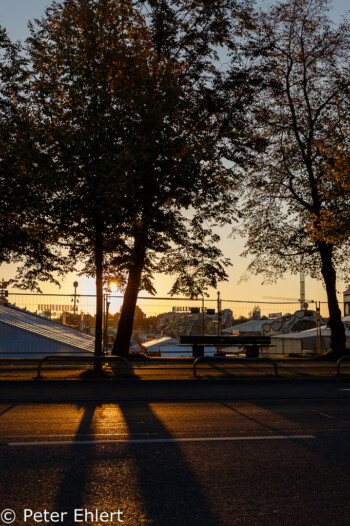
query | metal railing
[80, 359]
[340, 361]
[233, 360]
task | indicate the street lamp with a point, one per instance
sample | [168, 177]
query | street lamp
[75, 284]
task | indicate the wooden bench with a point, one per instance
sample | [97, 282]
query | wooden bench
[251, 344]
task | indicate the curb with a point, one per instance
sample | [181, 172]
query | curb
[61, 391]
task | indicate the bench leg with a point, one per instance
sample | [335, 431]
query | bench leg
[252, 351]
[197, 350]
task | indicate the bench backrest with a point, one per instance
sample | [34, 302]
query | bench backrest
[225, 340]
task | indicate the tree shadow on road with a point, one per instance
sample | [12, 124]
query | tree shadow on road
[171, 492]
[8, 409]
[71, 492]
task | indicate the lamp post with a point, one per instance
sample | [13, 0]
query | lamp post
[75, 284]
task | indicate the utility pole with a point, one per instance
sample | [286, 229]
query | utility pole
[318, 328]
[203, 317]
[105, 335]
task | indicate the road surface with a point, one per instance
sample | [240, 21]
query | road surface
[226, 462]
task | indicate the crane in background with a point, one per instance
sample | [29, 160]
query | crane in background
[303, 302]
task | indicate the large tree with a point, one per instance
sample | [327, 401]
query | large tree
[334, 223]
[25, 238]
[127, 142]
[86, 59]
[181, 166]
[301, 114]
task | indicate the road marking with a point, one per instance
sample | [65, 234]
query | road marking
[158, 440]
[328, 416]
[71, 435]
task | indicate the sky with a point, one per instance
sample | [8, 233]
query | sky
[14, 16]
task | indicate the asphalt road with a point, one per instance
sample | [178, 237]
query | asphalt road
[232, 462]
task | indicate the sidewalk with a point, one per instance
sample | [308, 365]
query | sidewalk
[177, 369]
[148, 391]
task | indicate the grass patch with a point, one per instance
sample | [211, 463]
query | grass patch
[90, 373]
[138, 357]
[329, 356]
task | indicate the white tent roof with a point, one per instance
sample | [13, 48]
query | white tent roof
[31, 325]
[159, 342]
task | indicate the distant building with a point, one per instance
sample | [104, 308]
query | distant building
[300, 320]
[176, 323]
[346, 300]
[247, 328]
[303, 342]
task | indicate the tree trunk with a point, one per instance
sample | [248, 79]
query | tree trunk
[122, 341]
[99, 300]
[336, 325]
